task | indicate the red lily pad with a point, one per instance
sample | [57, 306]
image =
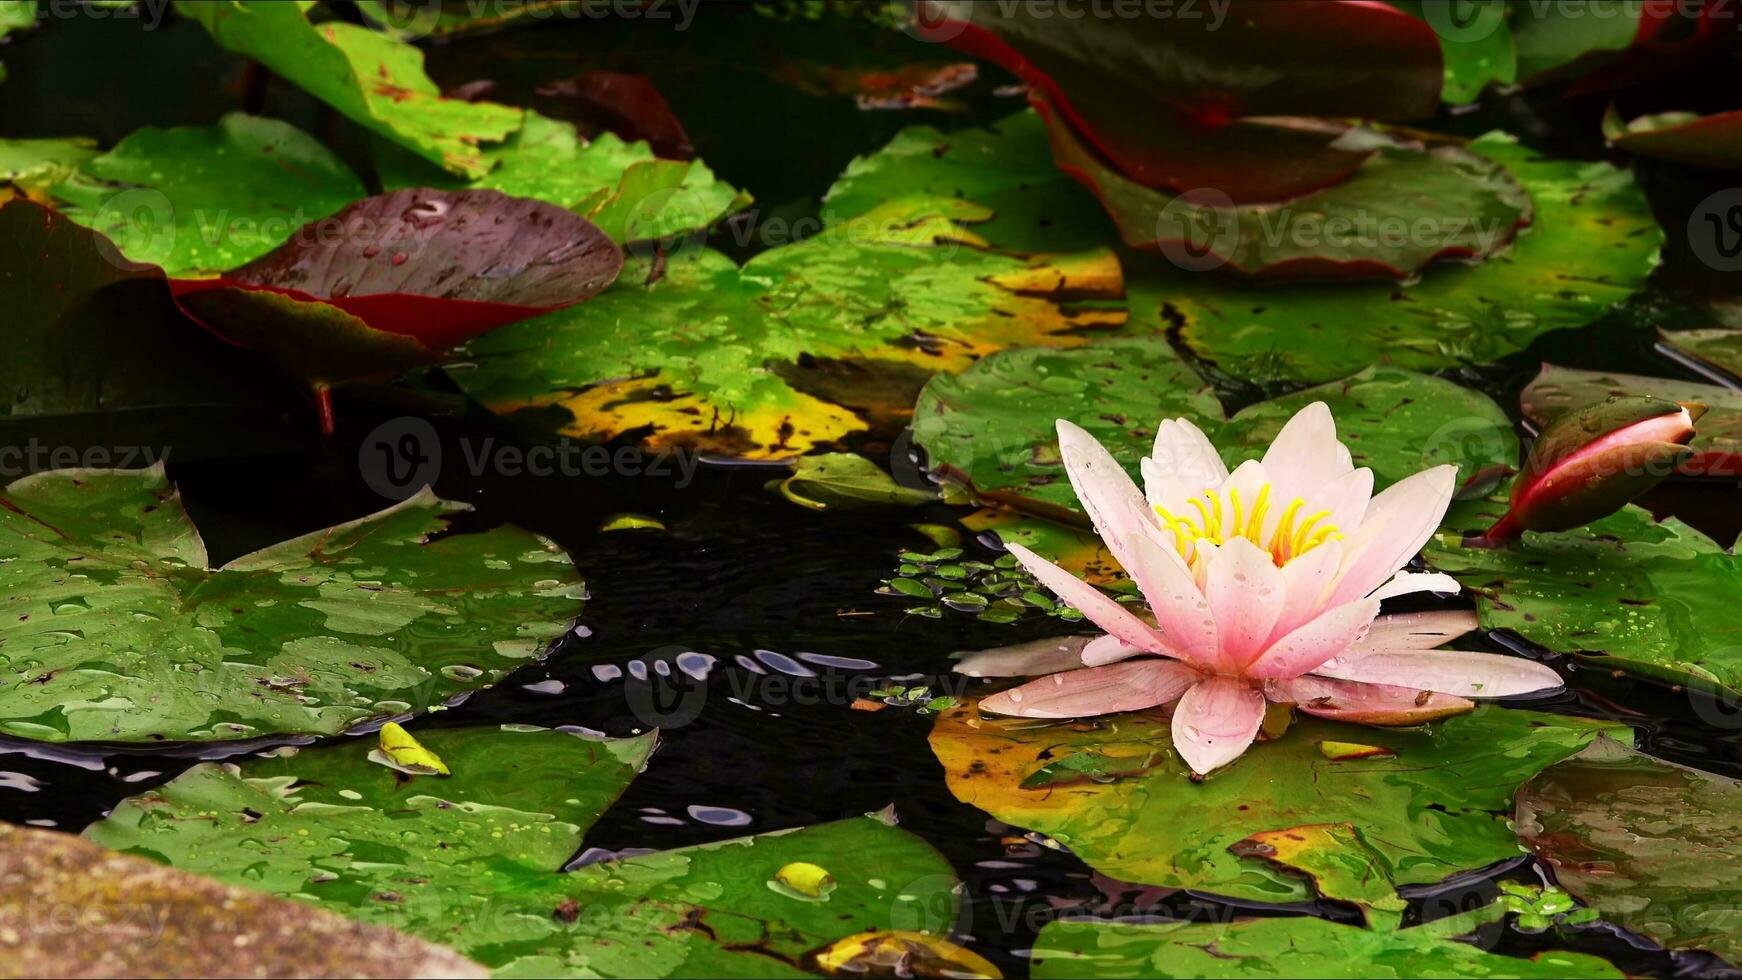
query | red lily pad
[1705, 141]
[396, 279]
[1370, 226]
[1190, 102]
[1717, 443]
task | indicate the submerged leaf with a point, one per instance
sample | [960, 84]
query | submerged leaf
[1648, 843]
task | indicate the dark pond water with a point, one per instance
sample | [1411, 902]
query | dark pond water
[783, 598]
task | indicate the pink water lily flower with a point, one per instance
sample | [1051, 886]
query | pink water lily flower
[1264, 584]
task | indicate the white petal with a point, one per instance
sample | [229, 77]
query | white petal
[1409, 583]
[1364, 704]
[1246, 594]
[1215, 722]
[1333, 633]
[1306, 454]
[1031, 659]
[1182, 614]
[1460, 672]
[1183, 452]
[1105, 490]
[1399, 521]
[1130, 686]
[1090, 601]
[1347, 498]
[1103, 650]
[1417, 630]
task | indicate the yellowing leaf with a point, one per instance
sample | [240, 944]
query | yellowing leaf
[409, 755]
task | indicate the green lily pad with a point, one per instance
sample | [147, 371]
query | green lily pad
[475, 860]
[1644, 841]
[15, 15]
[1717, 442]
[801, 346]
[1363, 227]
[1432, 808]
[1719, 347]
[33, 165]
[1475, 43]
[1591, 244]
[1626, 593]
[198, 200]
[1300, 946]
[836, 481]
[375, 80]
[1007, 167]
[1555, 42]
[548, 160]
[115, 628]
[993, 424]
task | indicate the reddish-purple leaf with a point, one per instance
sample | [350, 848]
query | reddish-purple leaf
[436, 267]
[1185, 103]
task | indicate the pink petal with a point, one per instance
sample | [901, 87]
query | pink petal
[1030, 659]
[1306, 455]
[1334, 632]
[1364, 704]
[1181, 611]
[1103, 650]
[1307, 580]
[1417, 630]
[1399, 521]
[1215, 721]
[1246, 593]
[1130, 686]
[1461, 672]
[1090, 601]
[1112, 501]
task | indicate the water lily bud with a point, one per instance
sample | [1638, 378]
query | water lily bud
[1589, 463]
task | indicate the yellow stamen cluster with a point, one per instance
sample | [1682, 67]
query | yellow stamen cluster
[1218, 521]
